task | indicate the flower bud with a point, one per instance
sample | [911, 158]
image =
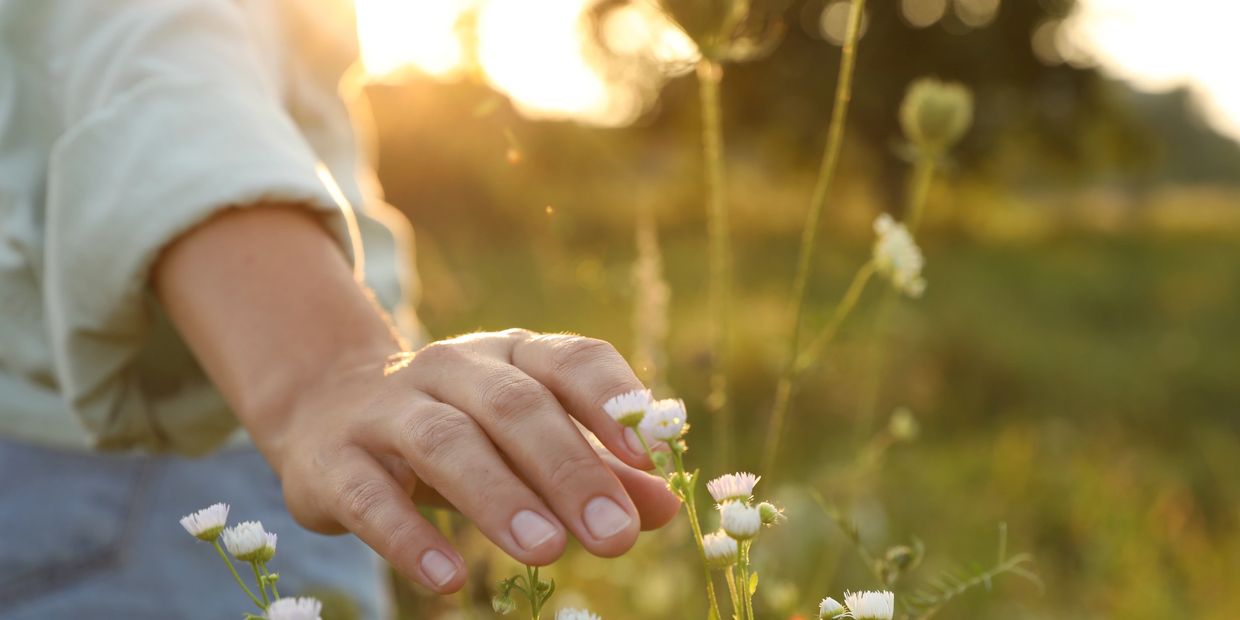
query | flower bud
[830, 609]
[720, 550]
[901, 557]
[935, 114]
[770, 514]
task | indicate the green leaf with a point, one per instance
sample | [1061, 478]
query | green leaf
[753, 583]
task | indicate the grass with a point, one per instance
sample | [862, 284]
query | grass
[1079, 387]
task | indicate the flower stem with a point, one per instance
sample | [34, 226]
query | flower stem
[275, 592]
[842, 311]
[531, 579]
[746, 592]
[650, 452]
[236, 576]
[258, 577]
[809, 234]
[709, 75]
[737, 606]
[687, 496]
[920, 180]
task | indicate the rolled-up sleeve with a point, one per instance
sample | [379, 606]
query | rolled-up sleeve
[171, 113]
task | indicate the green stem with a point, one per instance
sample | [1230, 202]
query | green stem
[732, 591]
[809, 234]
[235, 575]
[650, 453]
[536, 602]
[842, 311]
[921, 178]
[746, 593]
[787, 381]
[275, 592]
[258, 577]
[710, 74]
[689, 498]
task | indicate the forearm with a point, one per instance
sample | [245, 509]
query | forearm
[268, 304]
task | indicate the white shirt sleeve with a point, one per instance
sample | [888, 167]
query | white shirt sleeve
[170, 111]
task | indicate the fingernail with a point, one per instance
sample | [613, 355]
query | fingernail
[605, 518]
[438, 567]
[531, 529]
[634, 442]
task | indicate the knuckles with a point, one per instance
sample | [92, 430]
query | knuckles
[574, 352]
[513, 396]
[433, 432]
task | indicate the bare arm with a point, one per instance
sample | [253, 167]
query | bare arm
[269, 306]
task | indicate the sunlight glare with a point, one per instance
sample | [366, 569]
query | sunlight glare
[401, 34]
[1159, 46]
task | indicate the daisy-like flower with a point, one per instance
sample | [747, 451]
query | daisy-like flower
[740, 520]
[569, 613]
[300, 608]
[666, 420]
[248, 541]
[629, 408]
[830, 609]
[870, 605]
[206, 524]
[721, 549]
[269, 549]
[738, 486]
[897, 257]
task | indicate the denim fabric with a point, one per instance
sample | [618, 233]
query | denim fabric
[97, 536]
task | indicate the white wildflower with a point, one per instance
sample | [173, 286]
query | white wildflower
[738, 486]
[721, 550]
[740, 520]
[830, 609]
[569, 613]
[248, 541]
[666, 420]
[629, 408]
[300, 608]
[897, 257]
[206, 524]
[870, 605]
[269, 549]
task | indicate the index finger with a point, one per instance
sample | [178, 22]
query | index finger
[583, 374]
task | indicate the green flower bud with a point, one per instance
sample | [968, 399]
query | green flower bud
[770, 514]
[935, 114]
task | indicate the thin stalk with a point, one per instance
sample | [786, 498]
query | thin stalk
[809, 234]
[650, 452]
[921, 178]
[464, 596]
[236, 576]
[842, 311]
[709, 75]
[737, 606]
[275, 592]
[258, 577]
[746, 593]
[689, 498]
[531, 579]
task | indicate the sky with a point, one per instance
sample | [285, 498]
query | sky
[535, 56]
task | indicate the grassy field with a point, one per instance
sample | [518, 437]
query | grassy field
[1078, 386]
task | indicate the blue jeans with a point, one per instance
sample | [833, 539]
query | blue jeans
[97, 536]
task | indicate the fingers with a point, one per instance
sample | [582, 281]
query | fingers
[655, 503]
[537, 436]
[449, 452]
[584, 373]
[368, 502]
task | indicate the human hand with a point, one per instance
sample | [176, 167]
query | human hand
[484, 423]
